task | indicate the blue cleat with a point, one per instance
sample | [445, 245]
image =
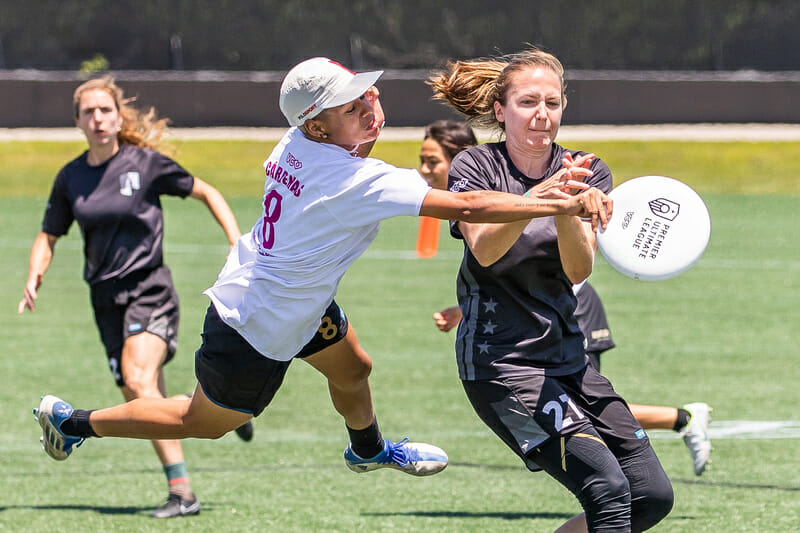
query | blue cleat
[51, 413]
[415, 458]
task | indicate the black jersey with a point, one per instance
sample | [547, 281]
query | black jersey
[518, 313]
[592, 319]
[118, 209]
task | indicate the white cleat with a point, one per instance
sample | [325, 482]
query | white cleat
[695, 435]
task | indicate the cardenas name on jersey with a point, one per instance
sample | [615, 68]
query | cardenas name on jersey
[280, 175]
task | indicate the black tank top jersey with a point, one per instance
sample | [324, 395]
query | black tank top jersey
[592, 320]
[519, 313]
[117, 208]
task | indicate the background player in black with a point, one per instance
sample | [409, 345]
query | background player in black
[519, 348]
[112, 190]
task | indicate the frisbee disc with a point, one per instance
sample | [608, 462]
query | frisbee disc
[659, 229]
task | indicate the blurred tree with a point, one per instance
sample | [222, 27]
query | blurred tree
[273, 34]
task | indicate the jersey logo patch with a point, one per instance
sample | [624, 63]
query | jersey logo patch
[135, 327]
[128, 183]
[640, 434]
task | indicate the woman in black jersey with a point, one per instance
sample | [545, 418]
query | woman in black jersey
[112, 190]
[519, 348]
[446, 138]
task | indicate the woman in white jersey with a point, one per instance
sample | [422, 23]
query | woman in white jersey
[273, 300]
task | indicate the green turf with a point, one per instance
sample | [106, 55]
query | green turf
[725, 332]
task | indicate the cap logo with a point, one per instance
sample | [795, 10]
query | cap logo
[305, 113]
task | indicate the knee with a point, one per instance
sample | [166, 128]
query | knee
[356, 375]
[139, 387]
[650, 508]
[606, 493]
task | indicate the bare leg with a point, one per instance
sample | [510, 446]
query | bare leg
[347, 367]
[143, 358]
[167, 418]
[655, 416]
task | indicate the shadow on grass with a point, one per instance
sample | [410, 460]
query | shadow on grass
[721, 484]
[100, 510]
[287, 467]
[725, 484]
[471, 514]
[107, 510]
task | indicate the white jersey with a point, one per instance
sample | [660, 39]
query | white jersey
[322, 209]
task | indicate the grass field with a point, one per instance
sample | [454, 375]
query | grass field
[726, 332]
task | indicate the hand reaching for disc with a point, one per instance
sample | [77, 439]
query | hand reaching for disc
[597, 206]
[567, 181]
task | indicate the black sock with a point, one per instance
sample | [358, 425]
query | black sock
[366, 442]
[683, 418]
[77, 425]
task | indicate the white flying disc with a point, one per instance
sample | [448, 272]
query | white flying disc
[659, 229]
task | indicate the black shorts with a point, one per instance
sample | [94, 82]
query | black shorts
[143, 301]
[236, 376]
[526, 411]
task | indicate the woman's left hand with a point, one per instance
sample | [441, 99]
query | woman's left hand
[567, 181]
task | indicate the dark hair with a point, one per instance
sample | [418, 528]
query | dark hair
[452, 136]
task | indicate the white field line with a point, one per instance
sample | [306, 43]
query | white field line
[741, 429]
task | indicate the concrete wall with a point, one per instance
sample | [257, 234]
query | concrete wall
[202, 99]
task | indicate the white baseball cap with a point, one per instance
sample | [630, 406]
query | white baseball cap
[320, 83]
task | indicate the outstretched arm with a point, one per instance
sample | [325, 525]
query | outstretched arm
[492, 221]
[41, 256]
[219, 208]
[577, 243]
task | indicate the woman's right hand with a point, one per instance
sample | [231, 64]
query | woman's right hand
[29, 296]
[447, 319]
[592, 204]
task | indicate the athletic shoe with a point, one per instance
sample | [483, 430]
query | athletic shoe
[695, 435]
[245, 431]
[51, 413]
[415, 458]
[177, 506]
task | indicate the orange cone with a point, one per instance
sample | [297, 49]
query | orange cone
[428, 237]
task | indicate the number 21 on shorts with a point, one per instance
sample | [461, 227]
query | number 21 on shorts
[559, 409]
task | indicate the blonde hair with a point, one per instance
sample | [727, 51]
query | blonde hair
[139, 128]
[472, 87]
